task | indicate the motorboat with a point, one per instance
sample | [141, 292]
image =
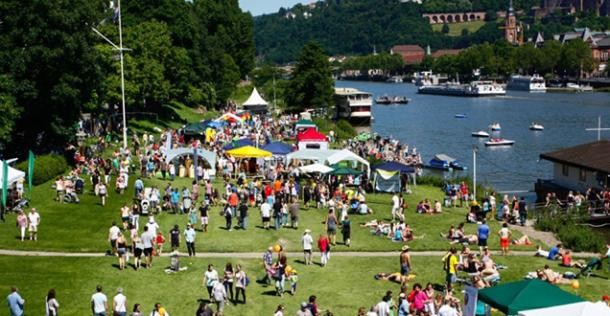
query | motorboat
[400, 100]
[495, 127]
[536, 127]
[499, 142]
[480, 134]
[461, 115]
[444, 162]
[395, 79]
[383, 100]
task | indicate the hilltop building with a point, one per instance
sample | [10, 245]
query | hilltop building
[511, 29]
[599, 42]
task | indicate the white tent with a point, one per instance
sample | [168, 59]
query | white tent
[255, 103]
[386, 181]
[576, 309]
[14, 175]
[316, 167]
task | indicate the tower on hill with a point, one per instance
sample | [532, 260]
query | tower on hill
[510, 26]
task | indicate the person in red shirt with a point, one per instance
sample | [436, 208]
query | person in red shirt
[464, 191]
[268, 191]
[324, 246]
[233, 201]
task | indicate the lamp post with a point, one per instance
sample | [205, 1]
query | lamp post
[120, 48]
[474, 171]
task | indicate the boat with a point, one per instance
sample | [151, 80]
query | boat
[386, 100]
[395, 79]
[400, 100]
[499, 142]
[461, 115]
[473, 89]
[444, 162]
[427, 78]
[536, 127]
[495, 127]
[480, 134]
[533, 83]
[383, 100]
[353, 105]
[578, 87]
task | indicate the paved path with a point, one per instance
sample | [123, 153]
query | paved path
[254, 255]
[546, 237]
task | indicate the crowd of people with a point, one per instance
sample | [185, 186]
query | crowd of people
[276, 193]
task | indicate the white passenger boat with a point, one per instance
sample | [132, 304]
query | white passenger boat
[354, 105]
[495, 127]
[533, 83]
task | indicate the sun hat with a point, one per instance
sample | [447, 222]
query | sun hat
[405, 247]
[308, 231]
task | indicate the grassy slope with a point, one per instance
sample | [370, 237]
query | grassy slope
[84, 226]
[343, 286]
[455, 29]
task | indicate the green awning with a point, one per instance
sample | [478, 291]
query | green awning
[513, 297]
[343, 171]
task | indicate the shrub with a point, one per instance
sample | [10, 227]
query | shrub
[345, 130]
[46, 167]
[580, 238]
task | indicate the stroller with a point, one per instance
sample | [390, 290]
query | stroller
[79, 186]
[20, 205]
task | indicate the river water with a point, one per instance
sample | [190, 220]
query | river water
[428, 123]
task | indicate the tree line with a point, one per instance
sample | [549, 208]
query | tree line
[53, 66]
[502, 60]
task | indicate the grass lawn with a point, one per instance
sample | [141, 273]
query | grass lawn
[343, 286]
[455, 29]
[84, 227]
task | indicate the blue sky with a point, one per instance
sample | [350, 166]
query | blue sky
[258, 7]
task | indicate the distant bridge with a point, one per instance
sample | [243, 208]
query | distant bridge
[455, 17]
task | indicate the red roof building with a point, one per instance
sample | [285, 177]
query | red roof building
[310, 134]
[411, 54]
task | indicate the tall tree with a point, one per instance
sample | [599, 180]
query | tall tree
[311, 85]
[46, 51]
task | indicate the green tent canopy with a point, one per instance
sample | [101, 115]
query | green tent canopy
[343, 171]
[513, 297]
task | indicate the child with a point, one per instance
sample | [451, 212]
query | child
[160, 240]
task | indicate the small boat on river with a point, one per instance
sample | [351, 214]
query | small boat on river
[461, 115]
[536, 127]
[495, 127]
[499, 142]
[480, 134]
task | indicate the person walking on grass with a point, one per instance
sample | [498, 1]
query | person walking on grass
[483, 235]
[189, 238]
[331, 226]
[148, 241]
[505, 235]
[119, 303]
[51, 304]
[203, 213]
[15, 303]
[346, 230]
[99, 302]
[210, 277]
[34, 221]
[241, 282]
[174, 237]
[307, 242]
[324, 247]
[22, 224]
[219, 295]
[405, 262]
[113, 235]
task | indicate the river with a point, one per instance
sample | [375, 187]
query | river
[428, 123]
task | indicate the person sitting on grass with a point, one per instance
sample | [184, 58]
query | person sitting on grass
[566, 261]
[548, 275]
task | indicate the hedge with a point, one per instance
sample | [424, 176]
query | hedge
[572, 235]
[46, 167]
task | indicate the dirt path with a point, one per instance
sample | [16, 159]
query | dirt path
[547, 238]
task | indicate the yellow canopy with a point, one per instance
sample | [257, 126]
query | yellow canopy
[249, 152]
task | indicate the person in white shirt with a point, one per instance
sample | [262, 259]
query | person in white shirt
[152, 225]
[383, 307]
[307, 242]
[148, 240]
[395, 206]
[209, 278]
[34, 221]
[447, 310]
[219, 294]
[113, 235]
[99, 302]
[119, 303]
[266, 214]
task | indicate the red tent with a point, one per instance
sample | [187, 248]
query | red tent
[311, 134]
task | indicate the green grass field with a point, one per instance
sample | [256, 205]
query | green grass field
[84, 227]
[455, 29]
[343, 286]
